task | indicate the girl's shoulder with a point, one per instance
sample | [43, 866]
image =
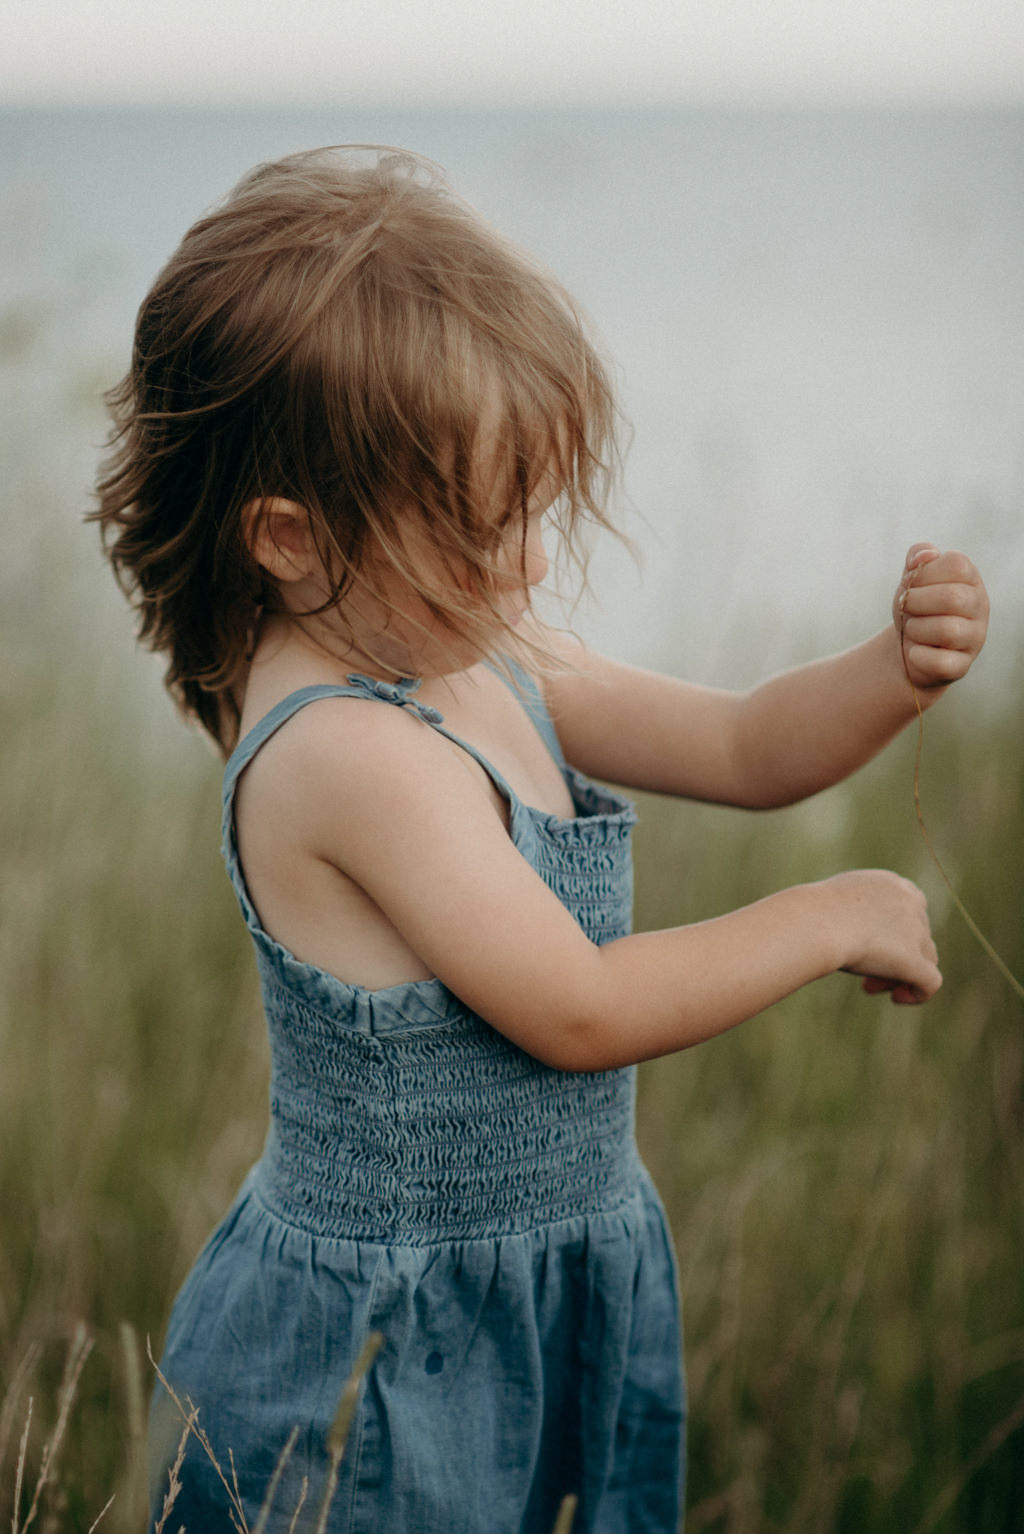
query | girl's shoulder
[462, 736]
[348, 743]
[338, 816]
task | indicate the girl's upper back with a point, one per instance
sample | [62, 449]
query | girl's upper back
[308, 902]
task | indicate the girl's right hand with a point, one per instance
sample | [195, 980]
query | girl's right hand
[887, 936]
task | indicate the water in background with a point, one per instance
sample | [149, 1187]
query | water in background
[817, 320]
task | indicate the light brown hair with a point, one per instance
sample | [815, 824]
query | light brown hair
[342, 331]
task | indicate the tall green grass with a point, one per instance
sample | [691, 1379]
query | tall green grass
[844, 1179]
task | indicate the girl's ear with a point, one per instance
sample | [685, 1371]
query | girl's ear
[278, 536]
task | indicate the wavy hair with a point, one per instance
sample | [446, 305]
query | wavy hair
[342, 331]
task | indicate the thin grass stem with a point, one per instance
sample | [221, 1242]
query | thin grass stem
[78, 1353]
[996, 1438]
[275, 1481]
[340, 1428]
[174, 1479]
[337, 1437]
[13, 1392]
[19, 1474]
[566, 1515]
[303, 1493]
[1003, 968]
[102, 1513]
[189, 1416]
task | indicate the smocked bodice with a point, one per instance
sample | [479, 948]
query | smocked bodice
[399, 1115]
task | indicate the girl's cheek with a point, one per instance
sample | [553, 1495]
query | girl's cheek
[537, 564]
[526, 562]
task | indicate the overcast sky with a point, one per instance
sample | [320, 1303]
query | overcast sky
[511, 52]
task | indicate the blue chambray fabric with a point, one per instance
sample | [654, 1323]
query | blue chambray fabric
[489, 1215]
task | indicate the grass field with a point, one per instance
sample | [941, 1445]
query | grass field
[844, 1179]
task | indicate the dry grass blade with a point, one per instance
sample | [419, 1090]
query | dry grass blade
[19, 1475]
[134, 1397]
[134, 1388]
[275, 1481]
[78, 1353]
[566, 1515]
[303, 1492]
[189, 1415]
[1000, 963]
[340, 1428]
[328, 1497]
[234, 1481]
[12, 1394]
[101, 1514]
[174, 1479]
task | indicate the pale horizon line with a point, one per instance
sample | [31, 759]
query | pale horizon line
[401, 100]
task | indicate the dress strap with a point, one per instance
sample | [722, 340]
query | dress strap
[359, 687]
[399, 694]
[402, 695]
[522, 686]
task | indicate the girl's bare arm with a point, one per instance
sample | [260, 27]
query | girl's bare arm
[794, 734]
[383, 798]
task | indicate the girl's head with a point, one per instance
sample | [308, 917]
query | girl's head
[345, 345]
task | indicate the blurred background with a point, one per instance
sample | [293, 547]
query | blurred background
[797, 230]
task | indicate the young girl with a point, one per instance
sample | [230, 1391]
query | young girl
[355, 422]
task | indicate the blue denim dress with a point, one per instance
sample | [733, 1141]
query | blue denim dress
[489, 1215]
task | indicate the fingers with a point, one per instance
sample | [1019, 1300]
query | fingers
[947, 631]
[941, 610]
[959, 599]
[949, 564]
[919, 977]
[926, 566]
[894, 951]
[921, 554]
[929, 667]
[900, 993]
[941, 648]
[904, 993]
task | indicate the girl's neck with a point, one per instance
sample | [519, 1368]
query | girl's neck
[288, 656]
[311, 648]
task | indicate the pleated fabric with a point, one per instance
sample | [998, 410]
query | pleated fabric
[487, 1214]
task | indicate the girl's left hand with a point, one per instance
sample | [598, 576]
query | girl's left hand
[941, 615]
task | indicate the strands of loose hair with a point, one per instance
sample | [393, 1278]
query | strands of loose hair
[1000, 963]
[344, 333]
